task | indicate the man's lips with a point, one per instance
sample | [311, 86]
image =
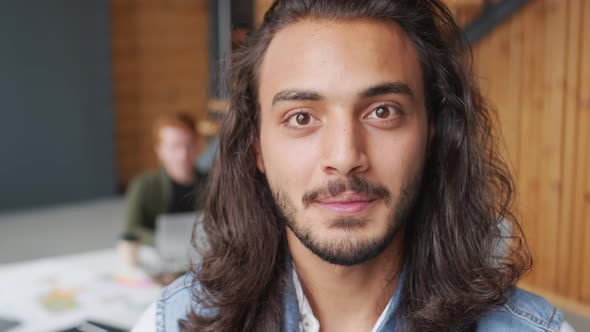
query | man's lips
[346, 202]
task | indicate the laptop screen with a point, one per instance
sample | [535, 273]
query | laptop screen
[173, 239]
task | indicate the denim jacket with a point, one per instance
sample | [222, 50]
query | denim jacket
[523, 312]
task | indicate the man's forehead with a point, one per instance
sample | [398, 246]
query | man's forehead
[343, 56]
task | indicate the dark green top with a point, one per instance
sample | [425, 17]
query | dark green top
[150, 195]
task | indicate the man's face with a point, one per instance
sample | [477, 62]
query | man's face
[343, 134]
[177, 150]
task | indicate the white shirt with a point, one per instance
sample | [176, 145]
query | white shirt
[307, 320]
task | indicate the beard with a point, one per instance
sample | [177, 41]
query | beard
[351, 250]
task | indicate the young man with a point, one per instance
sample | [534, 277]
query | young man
[357, 186]
[175, 187]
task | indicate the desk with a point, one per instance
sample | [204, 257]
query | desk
[59, 292]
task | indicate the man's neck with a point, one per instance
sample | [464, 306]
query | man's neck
[346, 298]
[187, 179]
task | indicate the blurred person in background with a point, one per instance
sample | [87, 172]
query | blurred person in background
[173, 188]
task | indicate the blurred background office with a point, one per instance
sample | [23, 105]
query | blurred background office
[82, 82]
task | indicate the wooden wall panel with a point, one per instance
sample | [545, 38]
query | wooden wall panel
[160, 60]
[509, 115]
[551, 133]
[508, 64]
[540, 85]
[583, 171]
[529, 181]
[260, 7]
[125, 82]
[569, 286]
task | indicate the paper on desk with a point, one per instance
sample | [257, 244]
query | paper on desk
[52, 294]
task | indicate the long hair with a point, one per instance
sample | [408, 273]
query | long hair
[454, 268]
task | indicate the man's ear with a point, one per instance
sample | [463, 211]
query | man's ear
[259, 161]
[158, 151]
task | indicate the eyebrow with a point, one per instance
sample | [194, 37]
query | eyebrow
[396, 87]
[290, 95]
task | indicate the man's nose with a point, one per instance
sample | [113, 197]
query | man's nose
[185, 154]
[344, 148]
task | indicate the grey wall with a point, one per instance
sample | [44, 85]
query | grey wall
[56, 109]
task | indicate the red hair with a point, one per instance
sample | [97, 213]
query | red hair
[179, 120]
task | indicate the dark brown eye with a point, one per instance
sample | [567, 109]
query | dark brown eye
[382, 112]
[302, 119]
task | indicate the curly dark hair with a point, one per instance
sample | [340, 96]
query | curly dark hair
[459, 259]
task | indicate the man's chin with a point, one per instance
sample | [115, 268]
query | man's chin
[348, 255]
[341, 246]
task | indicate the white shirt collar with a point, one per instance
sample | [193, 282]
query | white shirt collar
[307, 320]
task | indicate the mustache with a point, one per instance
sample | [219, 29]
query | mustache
[356, 184]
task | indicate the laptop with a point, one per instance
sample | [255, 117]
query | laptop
[173, 240]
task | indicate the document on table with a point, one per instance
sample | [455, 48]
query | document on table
[59, 293]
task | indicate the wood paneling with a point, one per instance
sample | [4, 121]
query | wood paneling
[160, 60]
[531, 109]
[583, 163]
[569, 286]
[260, 7]
[532, 71]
